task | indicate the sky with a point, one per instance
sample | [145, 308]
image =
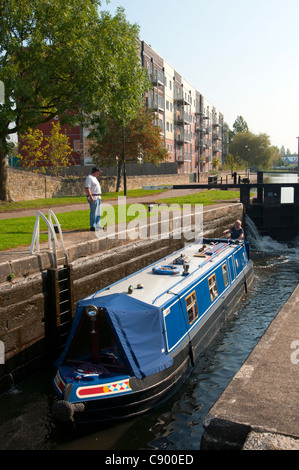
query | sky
[242, 56]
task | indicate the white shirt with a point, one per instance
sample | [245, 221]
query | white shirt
[93, 184]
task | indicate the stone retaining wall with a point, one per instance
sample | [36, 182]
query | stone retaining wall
[25, 186]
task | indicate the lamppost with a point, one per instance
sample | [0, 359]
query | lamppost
[124, 160]
[248, 149]
[1, 92]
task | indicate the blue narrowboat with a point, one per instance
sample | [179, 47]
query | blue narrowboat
[133, 343]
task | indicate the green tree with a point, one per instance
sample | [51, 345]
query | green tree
[63, 57]
[34, 151]
[142, 139]
[215, 163]
[254, 150]
[240, 125]
[277, 159]
[59, 150]
[40, 153]
[129, 91]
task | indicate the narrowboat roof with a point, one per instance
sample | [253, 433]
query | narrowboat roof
[152, 288]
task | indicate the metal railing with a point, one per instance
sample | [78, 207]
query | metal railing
[53, 242]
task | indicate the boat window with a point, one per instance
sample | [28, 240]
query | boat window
[94, 343]
[191, 305]
[237, 263]
[213, 287]
[225, 275]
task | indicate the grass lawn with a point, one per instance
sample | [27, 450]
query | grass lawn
[18, 231]
[204, 197]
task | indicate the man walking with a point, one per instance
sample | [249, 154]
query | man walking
[93, 191]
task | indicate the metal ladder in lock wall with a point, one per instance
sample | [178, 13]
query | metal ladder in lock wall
[60, 310]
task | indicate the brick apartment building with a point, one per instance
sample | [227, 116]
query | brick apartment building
[193, 129]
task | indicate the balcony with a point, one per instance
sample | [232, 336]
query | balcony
[217, 148]
[184, 137]
[179, 96]
[157, 78]
[156, 103]
[203, 144]
[183, 157]
[183, 119]
[180, 138]
[200, 128]
[216, 136]
[199, 110]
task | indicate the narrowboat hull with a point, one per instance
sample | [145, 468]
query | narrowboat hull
[124, 395]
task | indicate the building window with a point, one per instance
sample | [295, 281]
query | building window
[191, 305]
[213, 287]
[167, 105]
[225, 275]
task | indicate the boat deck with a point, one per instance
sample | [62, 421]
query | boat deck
[155, 286]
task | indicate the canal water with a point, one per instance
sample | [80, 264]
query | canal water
[25, 420]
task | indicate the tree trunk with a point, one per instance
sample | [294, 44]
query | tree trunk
[3, 170]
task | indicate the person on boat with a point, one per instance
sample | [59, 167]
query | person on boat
[236, 232]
